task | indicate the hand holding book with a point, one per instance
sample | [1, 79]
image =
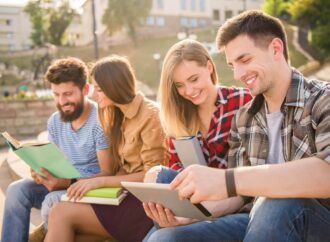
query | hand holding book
[43, 154]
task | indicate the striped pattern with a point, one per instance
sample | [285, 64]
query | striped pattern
[80, 146]
[215, 146]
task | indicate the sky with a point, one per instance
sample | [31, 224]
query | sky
[23, 2]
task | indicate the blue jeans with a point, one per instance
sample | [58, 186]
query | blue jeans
[21, 196]
[277, 220]
[288, 220]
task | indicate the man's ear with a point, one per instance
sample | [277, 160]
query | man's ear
[277, 48]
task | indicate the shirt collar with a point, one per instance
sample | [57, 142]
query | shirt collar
[221, 98]
[134, 106]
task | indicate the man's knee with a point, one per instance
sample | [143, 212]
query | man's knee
[18, 191]
[152, 174]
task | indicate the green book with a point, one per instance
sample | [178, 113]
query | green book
[107, 192]
[43, 154]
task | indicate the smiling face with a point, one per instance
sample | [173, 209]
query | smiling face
[99, 96]
[193, 82]
[69, 100]
[251, 64]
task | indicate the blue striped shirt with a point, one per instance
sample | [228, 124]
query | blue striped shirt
[81, 145]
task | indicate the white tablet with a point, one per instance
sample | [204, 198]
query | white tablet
[162, 194]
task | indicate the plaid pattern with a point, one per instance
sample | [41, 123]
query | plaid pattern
[305, 129]
[215, 146]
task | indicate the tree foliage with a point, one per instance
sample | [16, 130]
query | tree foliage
[277, 8]
[48, 22]
[37, 18]
[314, 14]
[126, 14]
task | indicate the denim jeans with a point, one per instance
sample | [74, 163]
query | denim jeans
[287, 220]
[279, 220]
[50, 199]
[21, 196]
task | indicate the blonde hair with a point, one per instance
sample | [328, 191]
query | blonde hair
[116, 78]
[180, 116]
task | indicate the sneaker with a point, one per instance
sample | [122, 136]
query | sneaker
[38, 234]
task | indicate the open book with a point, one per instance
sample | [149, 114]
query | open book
[189, 151]
[104, 195]
[162, 194]
[42, 154]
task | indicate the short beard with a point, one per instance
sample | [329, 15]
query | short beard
[78, 110]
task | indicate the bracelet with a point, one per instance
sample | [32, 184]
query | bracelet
[73, 180]
[230, 183]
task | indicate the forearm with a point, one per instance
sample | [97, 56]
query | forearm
[224, 207]
[306, 178]
[111, 181]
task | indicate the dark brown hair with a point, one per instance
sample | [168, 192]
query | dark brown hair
[116, 78]
[260, 27]
[68, 70]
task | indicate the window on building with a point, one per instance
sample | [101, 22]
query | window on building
[8, 22]
[193, 5]
[193, 22]
[228, 14]
[150, 20]
[10, 35]
[202, 5]
[160, 21]
[184, 22]
[160, 4]
[216, 15]
[183, 4]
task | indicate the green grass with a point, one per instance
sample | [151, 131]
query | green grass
[146, 68]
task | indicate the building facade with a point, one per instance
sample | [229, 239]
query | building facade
[166, 17]
[15, 29]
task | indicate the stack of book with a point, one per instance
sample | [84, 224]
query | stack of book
[103, 195]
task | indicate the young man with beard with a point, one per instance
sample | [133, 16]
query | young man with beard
[76, 131]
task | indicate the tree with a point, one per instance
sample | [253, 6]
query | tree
[49, 23]
[59, 20]
[277, 8]
[126, 14]
[314, 14]
[38, 20]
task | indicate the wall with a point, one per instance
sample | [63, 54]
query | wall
[25, 119]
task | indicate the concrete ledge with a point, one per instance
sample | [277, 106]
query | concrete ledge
[310, 68]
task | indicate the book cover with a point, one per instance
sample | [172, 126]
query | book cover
[46, 155]
[97, 200]
[189, 151]
[105, 192]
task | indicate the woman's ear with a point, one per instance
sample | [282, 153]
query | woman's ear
[209, 66]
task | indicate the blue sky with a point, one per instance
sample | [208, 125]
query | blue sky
[22, 2]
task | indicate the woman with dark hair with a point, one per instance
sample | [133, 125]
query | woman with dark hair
[136, 139]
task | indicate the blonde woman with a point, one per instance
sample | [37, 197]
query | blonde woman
[192, 103]
[136, 137]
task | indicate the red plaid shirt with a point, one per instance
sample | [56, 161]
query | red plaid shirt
[215, 146]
